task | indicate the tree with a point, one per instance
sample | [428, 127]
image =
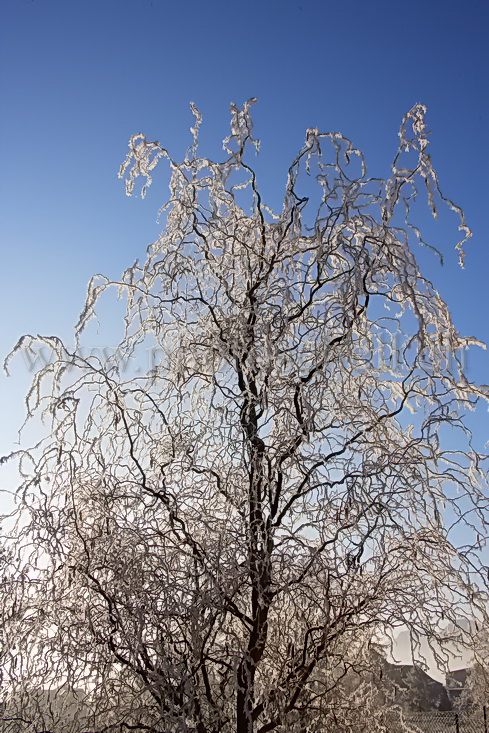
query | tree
[214, 545]
[475, 694]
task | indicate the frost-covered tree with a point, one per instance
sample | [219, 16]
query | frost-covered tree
[475, 694]
[213, 545]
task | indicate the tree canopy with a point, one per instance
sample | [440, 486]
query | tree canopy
[215, 544]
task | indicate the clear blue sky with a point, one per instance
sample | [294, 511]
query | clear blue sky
[78, 78]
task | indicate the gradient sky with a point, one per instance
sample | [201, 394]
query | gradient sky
[78, 78]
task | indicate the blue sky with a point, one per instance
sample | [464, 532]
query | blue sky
[78, 78]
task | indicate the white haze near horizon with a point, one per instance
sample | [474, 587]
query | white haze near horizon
[459, 655]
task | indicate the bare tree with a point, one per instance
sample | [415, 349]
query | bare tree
[213, 545]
